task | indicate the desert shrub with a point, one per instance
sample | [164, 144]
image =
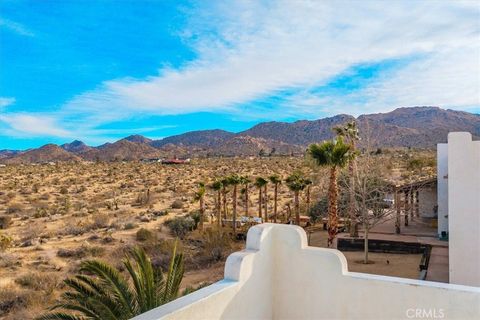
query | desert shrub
[196, 218]
[37, 281]
[44, 196]
[80, 252]
[5, 222]
[177, 204]
[100, 221]
[40, 213]
[5, 242]
[11, 299]
[417, 164]
[145, 235]
[95, 251]
[15, 208]
[216, 244]
[8, 260]
[130, 226]
[180, 226]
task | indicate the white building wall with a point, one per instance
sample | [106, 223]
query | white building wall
[464, 208]
[442, 187]
[279, 277]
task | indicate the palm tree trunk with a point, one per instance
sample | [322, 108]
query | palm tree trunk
[234, 196]
[224, 192]
[297, 208]
[219, 210]
[351, 200]
[275, 204]
[265, 200]
[332, 206]
[246, 200]
[259, 202]
[308, 200]
[202, 212]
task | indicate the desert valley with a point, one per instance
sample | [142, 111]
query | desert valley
[59, 208]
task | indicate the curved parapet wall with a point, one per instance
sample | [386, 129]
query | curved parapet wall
[278, 276]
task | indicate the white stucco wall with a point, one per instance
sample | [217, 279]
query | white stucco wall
[442, 187]
[464, 208]
[279, 277]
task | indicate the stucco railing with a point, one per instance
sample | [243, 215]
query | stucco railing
[278, 276]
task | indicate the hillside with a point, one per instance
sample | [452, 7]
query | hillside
[421, 127]
[75, 147]
[46, 153]
[203, 139]
[122, 150]
[251, 146]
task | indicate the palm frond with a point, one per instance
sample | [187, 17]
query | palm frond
[60, 316]
[112, 278]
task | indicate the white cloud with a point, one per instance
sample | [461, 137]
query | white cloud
[27, 125]
[16, 27]
[248, 50]
[251, 50]
[6, 101]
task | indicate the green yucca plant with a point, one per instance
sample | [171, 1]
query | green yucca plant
[101, 292]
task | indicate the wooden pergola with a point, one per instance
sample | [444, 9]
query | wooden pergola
[410, 192]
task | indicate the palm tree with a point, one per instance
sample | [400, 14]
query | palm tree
[224, 182]
[100, 291]
[350, 132]
[296, 183]
[200, 197]
[308, 184]
[260, 183]
[334, 154]
[245, 181]
[265, 201]
[276, 181]
[234, 180]
[217, 186]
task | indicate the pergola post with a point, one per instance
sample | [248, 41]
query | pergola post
[412, 203]
[417, 204]
[397, 214]
[406, 208]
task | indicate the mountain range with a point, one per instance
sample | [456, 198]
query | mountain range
[420, 127]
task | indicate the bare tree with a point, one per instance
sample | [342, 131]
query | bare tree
[371, 190]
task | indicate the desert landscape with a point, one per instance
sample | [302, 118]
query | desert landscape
[53, 216]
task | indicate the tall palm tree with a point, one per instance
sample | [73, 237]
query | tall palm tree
[265, 201]
[260, 183]
[245, 181]
[224, 182]
[200, 197]
[276, 181]
[334, 154]
[350, 132]
[296, 183]
[234, 180]
[308, 184]
[217, 186]
[101, 292]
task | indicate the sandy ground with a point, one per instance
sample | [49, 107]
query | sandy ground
[398, 265]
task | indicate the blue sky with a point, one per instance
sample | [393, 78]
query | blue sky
[101, 70]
